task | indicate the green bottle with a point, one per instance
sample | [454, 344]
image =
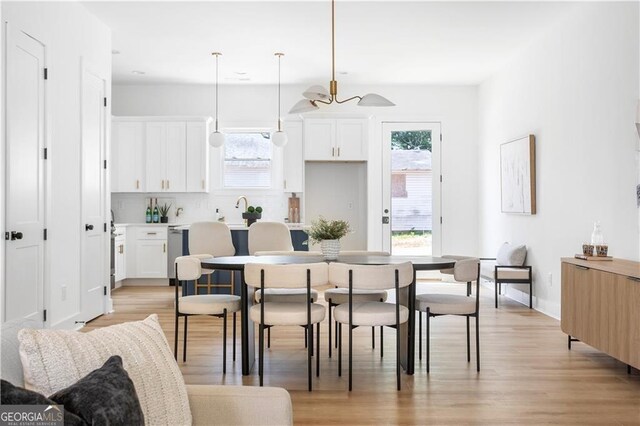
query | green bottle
[156, 213]
[148, 213]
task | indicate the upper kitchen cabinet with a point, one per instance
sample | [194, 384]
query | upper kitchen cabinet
[127, 156]
[198, 156]
[339, 139]
[166, 145]
[292, 158]
[160, 154]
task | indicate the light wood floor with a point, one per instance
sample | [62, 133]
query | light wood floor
[527, 374]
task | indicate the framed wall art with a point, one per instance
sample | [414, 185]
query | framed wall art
[518, 176]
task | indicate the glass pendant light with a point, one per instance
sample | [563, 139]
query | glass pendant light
[279, 137]
[216, 138]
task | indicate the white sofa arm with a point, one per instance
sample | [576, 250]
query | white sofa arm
[239, 405]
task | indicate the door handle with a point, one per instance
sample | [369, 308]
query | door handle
[88, 227]
[16, 235]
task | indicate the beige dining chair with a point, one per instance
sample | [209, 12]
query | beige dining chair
[370, 313]
[337, 296]
[211, 239]
[218, 305]
[271, 313]
[465, 270]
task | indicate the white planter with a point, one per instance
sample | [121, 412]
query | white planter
[330, 249]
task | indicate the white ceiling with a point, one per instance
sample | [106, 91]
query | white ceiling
[382, 42]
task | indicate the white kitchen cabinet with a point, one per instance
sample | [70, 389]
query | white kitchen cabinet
[338, 139]
[197, 157]
[120, 255]
[293, 160]
[127, 156]
[148, 252]
[166, 151]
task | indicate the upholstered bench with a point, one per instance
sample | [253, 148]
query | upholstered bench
[508, 268]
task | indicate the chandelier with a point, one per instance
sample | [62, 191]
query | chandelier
[318, 94]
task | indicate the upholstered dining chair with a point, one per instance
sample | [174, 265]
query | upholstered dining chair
[271, 313]
[218, 305]
[370, 313]
[465, 270]
[211, 239]
[337, 296]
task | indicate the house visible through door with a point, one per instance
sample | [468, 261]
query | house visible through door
[411, 188]
[25, 157]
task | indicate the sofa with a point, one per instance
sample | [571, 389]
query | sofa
[209, 404]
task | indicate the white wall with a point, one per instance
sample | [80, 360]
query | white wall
[455, 107]
[576, 90]
[69, 33]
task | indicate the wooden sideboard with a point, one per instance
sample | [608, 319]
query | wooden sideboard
[601, 306]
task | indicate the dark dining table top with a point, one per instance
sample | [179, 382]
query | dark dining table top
[420, 263]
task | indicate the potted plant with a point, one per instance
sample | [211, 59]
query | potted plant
[328, 234]
[164, 211]
[252, 214]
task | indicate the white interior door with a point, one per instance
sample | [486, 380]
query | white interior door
[25, 212]
[94, 238]
[411, 188]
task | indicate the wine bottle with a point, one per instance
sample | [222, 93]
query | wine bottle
[148, 213]
[156, 213]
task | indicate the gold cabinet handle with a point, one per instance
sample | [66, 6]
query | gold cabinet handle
[164, 247]
[202, 183]
[167, 183]
[333, 152]
[137, 184]
[162, 183]
[121, 249]
[285, 184]
[338, 151]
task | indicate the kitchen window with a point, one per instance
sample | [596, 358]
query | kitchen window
[247, 160]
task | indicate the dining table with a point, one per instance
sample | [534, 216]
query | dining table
[407, 295]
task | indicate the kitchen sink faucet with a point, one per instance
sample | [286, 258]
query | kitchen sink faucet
[246, 204]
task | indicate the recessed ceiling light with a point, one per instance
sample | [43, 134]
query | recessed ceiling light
[136, 72]
[115, 52]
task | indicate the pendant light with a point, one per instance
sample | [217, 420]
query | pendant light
[216, 138]
[279, 137]
[318, 94]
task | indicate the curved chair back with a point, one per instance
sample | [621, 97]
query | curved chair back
[188, 268]
[286, 276]
[213, 238]
[449, 271]
[269, 236]
[467, 269]
[371, 277]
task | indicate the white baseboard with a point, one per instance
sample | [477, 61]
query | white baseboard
[157, 282]
[545, 307]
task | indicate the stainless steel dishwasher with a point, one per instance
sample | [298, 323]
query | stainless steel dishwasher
[175, 250]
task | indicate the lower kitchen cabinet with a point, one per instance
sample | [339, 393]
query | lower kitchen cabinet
[147, 255]
[120, 257]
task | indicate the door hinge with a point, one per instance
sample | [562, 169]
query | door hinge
[46, 73]
[44, 232]
[440, 220]
[105, 290]
[7, 236]
[44, 315]
[105, 101]
[105, 164]
[440, 137]
[45, 153]
[105, 227]
[440, 178]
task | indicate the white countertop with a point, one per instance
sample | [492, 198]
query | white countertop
[182, 226]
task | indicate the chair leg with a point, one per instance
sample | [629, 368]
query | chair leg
[318, 350]
[350, 357]
[339, 339]
[398, 383]
[336, 325]
[261, 353]
[496, 291]
[500, 289]
[309, 327]
[306, 340]
[477, 343]
[381, 342]
[269, 338]
[420, 335]
[330, 325]
[468, 342]
[428, 337]
[175, 340]
[373, 337]
[530, 295]
[224, 342]
[234, 336]
[184, 348]
[468, 289]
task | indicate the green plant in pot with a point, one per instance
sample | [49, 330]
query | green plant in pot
[252, 214]
[164, 212]
[328, 233]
